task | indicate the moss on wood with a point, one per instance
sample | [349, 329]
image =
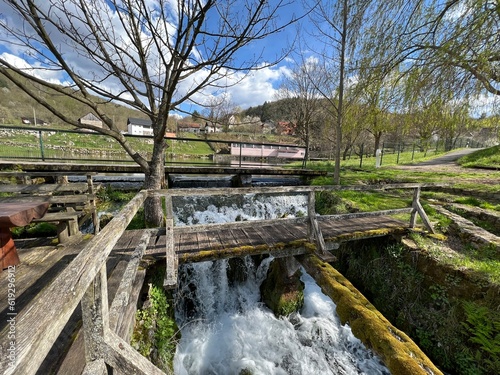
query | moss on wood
[399, 353]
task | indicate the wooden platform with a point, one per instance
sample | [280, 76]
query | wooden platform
[210, 242]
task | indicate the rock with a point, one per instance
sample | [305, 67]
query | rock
[283, 294]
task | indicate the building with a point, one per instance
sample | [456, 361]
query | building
[90, 119]
[137, 126]
[189, 127]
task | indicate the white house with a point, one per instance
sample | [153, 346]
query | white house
[138, 126]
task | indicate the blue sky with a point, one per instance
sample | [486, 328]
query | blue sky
[243, 91]
[252, 89]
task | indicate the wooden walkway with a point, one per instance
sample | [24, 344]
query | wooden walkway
[55, 284]
[285, 238]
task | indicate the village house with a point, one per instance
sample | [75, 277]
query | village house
[189, 127]
[137, 126]
[90, 119]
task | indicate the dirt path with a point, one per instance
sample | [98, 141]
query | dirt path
[447, 164]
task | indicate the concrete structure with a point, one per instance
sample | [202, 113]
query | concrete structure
[267, 151]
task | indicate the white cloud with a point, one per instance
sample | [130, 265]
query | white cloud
[36, 70]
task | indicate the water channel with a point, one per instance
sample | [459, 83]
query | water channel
[226, 329]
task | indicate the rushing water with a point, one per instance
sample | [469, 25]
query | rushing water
[226, 329]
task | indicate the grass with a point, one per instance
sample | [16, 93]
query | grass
[484, 260]
[26, 143]
[487, 158]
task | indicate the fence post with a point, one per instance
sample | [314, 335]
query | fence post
[417, 208]
[361, 155]
[399, 152]
[240, 154]
[41, 144]
[382, 153]
[172, 265]
[413, 152]
[95, 319]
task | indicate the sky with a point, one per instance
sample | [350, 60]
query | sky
[244, 89]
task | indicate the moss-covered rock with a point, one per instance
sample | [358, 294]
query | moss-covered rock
[282, 293]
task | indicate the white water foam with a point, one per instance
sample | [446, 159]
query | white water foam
[232, 332]
[226, 329]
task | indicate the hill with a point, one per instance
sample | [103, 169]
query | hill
[15, 104]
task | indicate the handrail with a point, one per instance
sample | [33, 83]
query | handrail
[38, 327]
[84, 280]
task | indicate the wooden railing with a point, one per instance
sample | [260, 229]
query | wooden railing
[314, 231]
[84, 281]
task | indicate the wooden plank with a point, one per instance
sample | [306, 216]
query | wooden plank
[253, 237]
[39, 325]
[226, 238]
[124, 299]
[204, 242]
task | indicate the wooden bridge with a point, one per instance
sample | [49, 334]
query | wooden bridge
[242, 176]
[83, 278]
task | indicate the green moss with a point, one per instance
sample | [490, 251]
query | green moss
[426, 298]
[282, 294]
[156, 334]
[399, 353]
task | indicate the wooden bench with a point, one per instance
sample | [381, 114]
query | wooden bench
[69, 202]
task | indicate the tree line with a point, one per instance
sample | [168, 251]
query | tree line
[371, 64]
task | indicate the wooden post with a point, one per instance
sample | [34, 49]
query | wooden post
[124, 305]
[314, 231]
[417, 208]
[95, 319]
[95, 216]
[172, 260]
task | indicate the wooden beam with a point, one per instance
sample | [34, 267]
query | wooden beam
[171, 257]
[417, 208]
[97, 367]
[288, 189]
[126, 360]
[315, 230]
[123, 298]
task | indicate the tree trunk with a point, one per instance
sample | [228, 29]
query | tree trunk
[155, 179]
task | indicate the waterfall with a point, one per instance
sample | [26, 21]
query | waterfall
[226, 329]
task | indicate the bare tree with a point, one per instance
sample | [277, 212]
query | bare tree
[303, 100]
[218, 110]
[150, 56]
